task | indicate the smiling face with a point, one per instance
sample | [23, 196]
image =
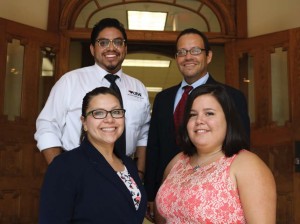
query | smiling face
[109, 58]
[192, 67]
[104, 131]
[207, 124]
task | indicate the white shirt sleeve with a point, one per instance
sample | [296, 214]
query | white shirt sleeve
[52, 119]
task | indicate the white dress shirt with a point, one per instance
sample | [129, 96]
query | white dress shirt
[59, 125]
[179, 93]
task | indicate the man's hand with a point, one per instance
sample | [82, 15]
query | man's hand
[150, 212]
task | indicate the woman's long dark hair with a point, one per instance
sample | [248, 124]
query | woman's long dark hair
[235, 138]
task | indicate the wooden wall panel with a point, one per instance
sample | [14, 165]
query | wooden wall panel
[278, 158]
[20, 183]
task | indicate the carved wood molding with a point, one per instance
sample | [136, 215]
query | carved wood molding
[228, 12]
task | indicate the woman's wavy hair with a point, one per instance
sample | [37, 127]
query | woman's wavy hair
[235, 138]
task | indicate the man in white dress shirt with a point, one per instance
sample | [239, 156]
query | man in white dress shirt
[59, 126]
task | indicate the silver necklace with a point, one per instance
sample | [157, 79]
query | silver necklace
[206, 160]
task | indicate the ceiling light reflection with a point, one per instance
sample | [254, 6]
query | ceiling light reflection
[146, 63]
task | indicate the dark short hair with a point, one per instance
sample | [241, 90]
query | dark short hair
[195, 31]
[104, 23]
[89, 96]
[95, 92]
[235, 138]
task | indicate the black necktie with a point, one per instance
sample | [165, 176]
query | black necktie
[112, 79]
[120, 145]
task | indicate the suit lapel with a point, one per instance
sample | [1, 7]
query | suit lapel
[103, 168]
[170, 108]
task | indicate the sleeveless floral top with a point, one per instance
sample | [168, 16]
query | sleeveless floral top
[203, 195]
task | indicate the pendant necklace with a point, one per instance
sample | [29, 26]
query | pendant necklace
[206, 160]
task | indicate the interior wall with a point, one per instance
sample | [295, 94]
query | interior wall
[30, 12]
[269, 16]
[264, 16]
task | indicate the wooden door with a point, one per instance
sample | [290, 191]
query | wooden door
[23, 92]
[266, 69]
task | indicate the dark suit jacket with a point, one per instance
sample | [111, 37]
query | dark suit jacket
[81, 187]
[161, 147]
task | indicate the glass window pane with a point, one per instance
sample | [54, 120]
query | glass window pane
[279, 83]
[13, 79]
[47, 75]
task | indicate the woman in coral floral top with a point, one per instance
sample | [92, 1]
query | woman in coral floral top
[215, 179]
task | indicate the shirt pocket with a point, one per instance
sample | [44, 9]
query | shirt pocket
[136, 113]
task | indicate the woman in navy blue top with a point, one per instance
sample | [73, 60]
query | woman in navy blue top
[94, 183]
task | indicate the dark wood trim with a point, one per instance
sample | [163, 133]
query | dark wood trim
[241, 19]
[3, 53]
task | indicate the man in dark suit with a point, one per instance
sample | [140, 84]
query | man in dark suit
[192, 57]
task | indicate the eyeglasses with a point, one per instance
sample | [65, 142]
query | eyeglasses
[104, 43]
[193, 51]
[101, 114]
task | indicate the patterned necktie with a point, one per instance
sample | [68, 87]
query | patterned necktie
[120, 145]
[179, 111]
[112, 79]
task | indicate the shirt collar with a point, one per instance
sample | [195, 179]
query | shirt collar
[199, 82]
[103, 72]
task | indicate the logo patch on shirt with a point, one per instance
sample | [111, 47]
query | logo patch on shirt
[135, 94]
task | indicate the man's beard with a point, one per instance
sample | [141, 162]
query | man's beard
[113, 67]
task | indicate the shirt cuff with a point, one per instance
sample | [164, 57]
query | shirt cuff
[48, 140]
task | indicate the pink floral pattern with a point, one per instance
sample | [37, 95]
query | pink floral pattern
[205, 195]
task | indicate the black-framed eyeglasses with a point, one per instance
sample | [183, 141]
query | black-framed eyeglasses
[101, 113]
[117, 43]
[192, 51]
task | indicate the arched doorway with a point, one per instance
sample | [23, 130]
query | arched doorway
[213, 18]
